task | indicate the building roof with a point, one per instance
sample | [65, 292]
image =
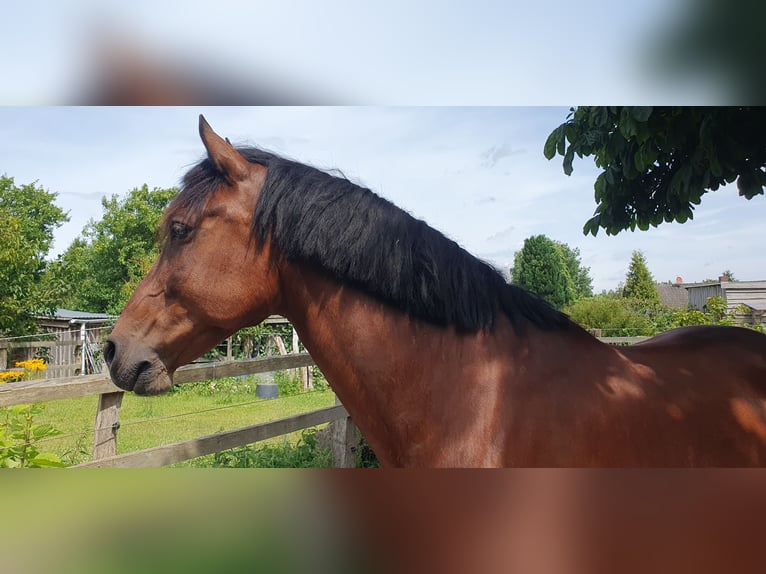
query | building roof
[70, 315]
[725, 285]
[674, 296]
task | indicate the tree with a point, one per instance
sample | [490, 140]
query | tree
[105, 264]
[657, 163]
[28, 217]
[582, 284]
[639, 283]
[541, 268]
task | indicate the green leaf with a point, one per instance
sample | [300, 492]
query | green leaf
[40, 432]
[591, 226]
[599, 117]
[600, 187]
[46, 460]
[627, 124]
[641, 113]
[644, 158]
[549, 150]
[568, 158]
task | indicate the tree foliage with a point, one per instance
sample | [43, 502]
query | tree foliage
[541, 267]
[104, 265]
[28, 217]
[612, 316]
[657, 163]
[639, 283]
[582, 284]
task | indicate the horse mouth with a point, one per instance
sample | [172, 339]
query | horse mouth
[146, 377]
[152, 379]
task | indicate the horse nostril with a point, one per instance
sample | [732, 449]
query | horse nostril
[109, 350]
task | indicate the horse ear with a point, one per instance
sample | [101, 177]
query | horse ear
[225, 158]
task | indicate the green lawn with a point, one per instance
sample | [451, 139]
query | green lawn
[193, 411]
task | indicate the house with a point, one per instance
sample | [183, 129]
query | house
[745, 299]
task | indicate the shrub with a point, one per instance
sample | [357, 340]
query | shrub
[303, 454]
[19, 435]
[614, 316]
[289, 383]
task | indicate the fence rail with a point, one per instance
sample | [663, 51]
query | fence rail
[108, 412]
[186, 450]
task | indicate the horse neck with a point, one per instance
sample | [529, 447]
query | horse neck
[391, 372]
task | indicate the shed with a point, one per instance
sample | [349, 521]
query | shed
[70, 342]
[750, 294]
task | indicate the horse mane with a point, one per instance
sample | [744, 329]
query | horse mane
[367, 242]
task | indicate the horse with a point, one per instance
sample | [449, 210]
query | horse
[438, 359]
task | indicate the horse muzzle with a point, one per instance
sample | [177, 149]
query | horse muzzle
[136, 369]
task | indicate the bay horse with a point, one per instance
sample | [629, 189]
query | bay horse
[439, 361]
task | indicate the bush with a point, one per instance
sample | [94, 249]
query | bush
[289, 383]
[614, 316]
[223, 389]
[303, 454]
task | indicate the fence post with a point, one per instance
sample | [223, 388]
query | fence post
[107, 423]
[344, 442]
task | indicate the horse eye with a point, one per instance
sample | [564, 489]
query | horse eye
[179, 230]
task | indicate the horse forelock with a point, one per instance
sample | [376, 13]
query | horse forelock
[365, 241]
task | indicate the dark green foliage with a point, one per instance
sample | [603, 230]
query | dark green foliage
[639, 283]
[716, 312]
[657, 163]
[303, 454]
[28, 217]
[612, 316]
[582, 284]
[540, 267]
[365, 456]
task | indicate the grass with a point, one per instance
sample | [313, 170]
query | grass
[191, 411]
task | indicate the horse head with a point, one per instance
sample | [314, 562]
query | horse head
[196, 294]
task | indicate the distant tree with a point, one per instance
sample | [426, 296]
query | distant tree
[541, 268]
[104, 265]
[28, 217]
[657, 163]
[728, 275]
[639, 283]
[582, 284]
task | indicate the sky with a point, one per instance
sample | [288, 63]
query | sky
[399, 52]
[477, 174]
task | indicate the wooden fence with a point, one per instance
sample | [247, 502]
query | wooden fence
[108, 414]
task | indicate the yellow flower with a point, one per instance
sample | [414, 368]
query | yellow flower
[32, 365]
[11, 376]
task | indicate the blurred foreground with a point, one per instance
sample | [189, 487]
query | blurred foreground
[542, 521]
[340, 52]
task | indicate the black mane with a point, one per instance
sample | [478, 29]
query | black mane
[366, 241]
